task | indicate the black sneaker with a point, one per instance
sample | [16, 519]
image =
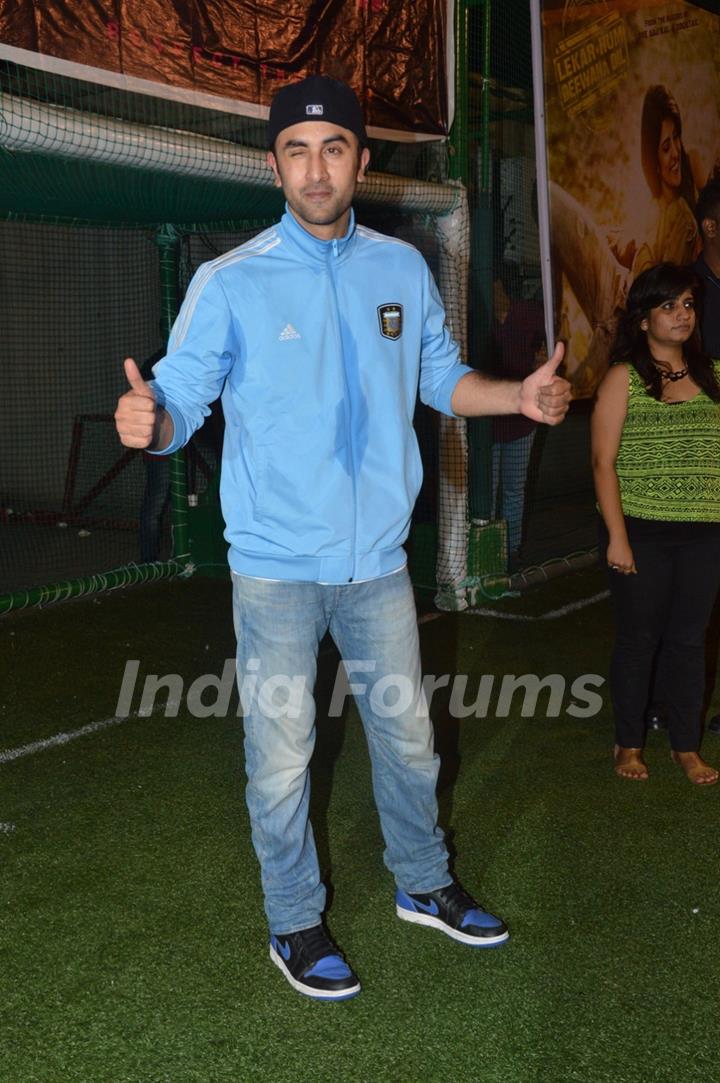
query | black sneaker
[314, 965]
[454, 912]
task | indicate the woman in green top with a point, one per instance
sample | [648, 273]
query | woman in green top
[656, 464]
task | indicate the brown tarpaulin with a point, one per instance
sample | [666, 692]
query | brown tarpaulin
[392, 54]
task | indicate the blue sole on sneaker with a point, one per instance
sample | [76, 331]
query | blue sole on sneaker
[456, 934]
[308, 990]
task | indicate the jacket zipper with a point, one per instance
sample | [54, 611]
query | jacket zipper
[348, 424]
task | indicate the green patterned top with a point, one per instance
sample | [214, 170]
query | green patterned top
[668, 463]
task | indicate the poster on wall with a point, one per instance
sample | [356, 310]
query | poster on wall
[233, 57]
[632, 126]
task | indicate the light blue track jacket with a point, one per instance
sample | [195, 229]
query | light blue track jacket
[318, 349]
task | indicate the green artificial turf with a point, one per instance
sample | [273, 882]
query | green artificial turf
[134, 947]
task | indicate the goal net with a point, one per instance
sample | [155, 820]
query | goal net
[111, 203]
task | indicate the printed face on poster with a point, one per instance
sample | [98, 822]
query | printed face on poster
[632, 97]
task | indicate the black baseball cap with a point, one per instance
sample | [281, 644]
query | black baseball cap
[319, 97]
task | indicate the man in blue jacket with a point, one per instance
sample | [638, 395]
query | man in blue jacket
[317, 334]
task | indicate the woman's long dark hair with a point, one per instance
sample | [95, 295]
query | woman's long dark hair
[664, 282]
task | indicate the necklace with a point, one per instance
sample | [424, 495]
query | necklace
[672, 376]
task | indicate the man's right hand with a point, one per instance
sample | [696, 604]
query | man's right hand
[136, 413]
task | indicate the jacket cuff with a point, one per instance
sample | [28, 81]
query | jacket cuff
[179, 428]
[444, 393]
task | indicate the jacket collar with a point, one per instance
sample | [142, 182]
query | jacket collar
[312, 247]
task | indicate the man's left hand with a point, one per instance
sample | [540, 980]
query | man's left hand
[544, 396]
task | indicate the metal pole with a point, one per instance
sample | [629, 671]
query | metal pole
[168, 241]
[481, 275]
[543, 184]
[459, 160]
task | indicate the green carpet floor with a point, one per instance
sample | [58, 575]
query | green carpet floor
[132, 939]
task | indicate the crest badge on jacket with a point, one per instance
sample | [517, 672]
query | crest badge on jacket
[391, 320]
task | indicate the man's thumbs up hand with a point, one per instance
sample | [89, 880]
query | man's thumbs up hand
[135, 379]
[136, 411]
[543, 395]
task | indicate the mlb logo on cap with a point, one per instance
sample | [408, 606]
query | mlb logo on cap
[314, 110]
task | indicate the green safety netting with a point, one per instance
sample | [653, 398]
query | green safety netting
[106, 216]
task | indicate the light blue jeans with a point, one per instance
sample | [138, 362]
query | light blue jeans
[509, 473]
[279, 626]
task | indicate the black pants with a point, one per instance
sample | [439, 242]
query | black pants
[661, 616]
